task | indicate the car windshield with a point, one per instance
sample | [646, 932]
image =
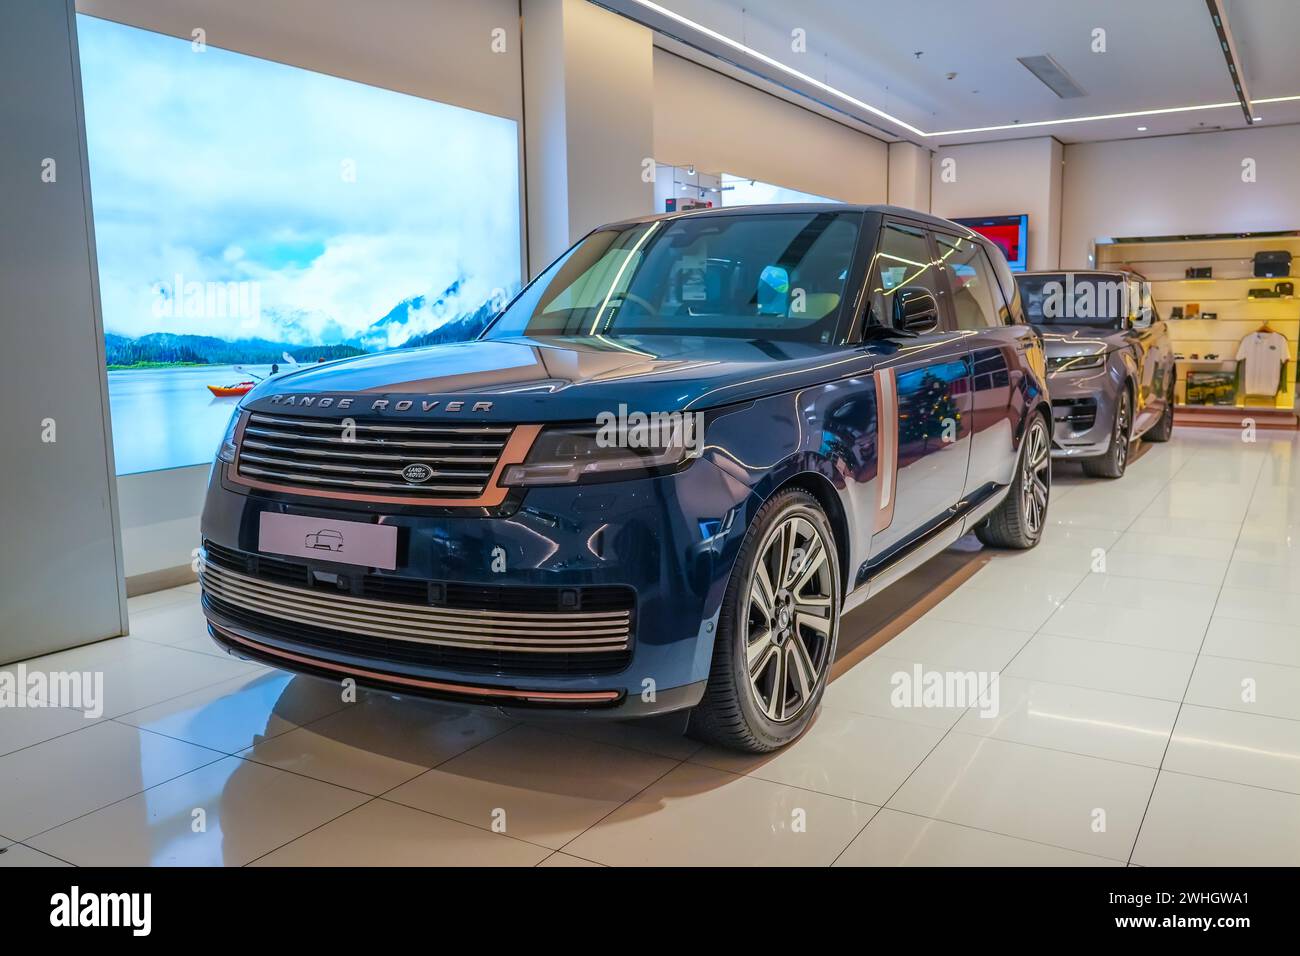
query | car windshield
[1067, 298]
[778, 276]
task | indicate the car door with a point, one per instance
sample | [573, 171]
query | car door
[1151, 353]
[1003, 351]
[922, 383]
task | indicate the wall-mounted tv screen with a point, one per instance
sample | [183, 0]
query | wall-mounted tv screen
[250, 216]
[1009, 233]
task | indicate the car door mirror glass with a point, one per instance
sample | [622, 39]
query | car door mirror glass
[916, 310]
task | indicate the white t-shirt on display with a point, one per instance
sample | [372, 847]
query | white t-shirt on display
[1263, 353]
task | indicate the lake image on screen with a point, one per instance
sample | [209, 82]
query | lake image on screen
[249, 213]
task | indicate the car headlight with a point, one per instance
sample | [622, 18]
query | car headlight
[1075, 363]
[565, 455]
[226, 450]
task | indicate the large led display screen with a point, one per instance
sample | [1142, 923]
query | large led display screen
[251, 216]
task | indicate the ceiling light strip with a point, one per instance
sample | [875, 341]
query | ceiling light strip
[888, 117]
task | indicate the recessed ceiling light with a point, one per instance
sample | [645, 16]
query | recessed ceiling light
[1142, 129]
[876, 111]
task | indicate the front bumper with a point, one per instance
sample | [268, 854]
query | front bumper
[672, 540]
[1083, 413]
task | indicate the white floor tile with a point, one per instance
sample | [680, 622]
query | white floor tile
[1163, 630]
[378, 742]
[59, 779]
[225, 814]
[380, 833]
[1253, 749]
[995, 607]
[1066, 800]
[1079, 720]
[1119, 668]
[1113, 590]
[869, 688]
[842, 754]
[239, 713]
[902, 839]
[540, 787]
[698, 816]
[1267, 577]
[1272, 643]
[1251, 687]
[939, 643]
[23, 726]
[1172, 546]
[1258, 605]
[18, 855]
[1197, 822]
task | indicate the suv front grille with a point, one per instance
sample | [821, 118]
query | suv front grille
[367, 459]
[1080, 414]
[485, 629]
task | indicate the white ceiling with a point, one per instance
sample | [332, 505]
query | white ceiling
[1159, 54]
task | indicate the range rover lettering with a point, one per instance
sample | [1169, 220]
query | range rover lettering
[1110, 364]
[806, 401]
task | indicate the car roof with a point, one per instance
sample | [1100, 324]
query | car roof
[1082, 272]
[924, 218]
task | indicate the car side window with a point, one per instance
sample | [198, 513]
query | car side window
[976, 303]
[902, 259]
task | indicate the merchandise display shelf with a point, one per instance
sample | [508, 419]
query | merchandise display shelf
[1164, 262]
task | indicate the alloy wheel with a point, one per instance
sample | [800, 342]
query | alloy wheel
[1121, 432]
[1035, 477]
[789, 623]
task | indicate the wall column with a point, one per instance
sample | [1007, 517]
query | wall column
[1005, 178]
[589, 122]
[909, 176]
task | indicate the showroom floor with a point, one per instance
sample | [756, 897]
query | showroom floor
[1122, 732]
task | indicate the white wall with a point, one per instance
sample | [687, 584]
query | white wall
[1005, 178]
[1175, 185]
[60, 566]
[723, 126]
[437, 49]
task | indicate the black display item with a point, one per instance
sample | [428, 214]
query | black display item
[1176, 312]
[1272, 264]
[1209, 315]
[1263, 294]
[1199, 272]
[1284, 288]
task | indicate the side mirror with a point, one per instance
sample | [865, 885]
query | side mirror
[916, 310]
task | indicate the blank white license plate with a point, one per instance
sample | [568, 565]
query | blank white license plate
[326, 539]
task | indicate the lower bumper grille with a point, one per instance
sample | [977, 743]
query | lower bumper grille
[1079, 414]
[498, 638]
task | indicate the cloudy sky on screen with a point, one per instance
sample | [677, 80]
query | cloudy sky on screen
[223, 167]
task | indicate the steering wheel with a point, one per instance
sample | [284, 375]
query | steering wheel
[633, 297]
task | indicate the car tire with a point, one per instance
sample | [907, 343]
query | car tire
[1113, 463]
[1163, 430]
[771, 661]
[1018, 521]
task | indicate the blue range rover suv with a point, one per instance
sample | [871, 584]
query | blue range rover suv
[653, 484]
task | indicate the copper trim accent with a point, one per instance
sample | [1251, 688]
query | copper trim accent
[597, 696]
[514, 452]
[886, 447]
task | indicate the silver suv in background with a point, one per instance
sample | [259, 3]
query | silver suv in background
[1110, 366]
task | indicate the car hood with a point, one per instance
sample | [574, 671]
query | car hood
[559, 378]
[1068, 341]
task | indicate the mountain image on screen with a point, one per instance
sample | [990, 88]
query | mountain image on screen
[252, 216]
